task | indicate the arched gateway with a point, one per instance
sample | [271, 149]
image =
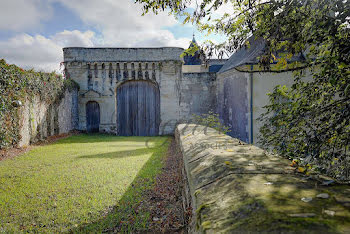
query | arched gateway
[138, 108]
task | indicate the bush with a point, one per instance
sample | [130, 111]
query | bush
[211, 120]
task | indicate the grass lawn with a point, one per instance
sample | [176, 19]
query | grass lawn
[81, 183]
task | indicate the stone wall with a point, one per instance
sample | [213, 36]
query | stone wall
[242, 96]
[264, 83]
[39, 119]
[236, 187]
[73, 54]
[233, 99]
[197, 94]
[194, 68]
[212, 161]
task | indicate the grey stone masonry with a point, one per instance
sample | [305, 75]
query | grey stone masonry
[72, 54]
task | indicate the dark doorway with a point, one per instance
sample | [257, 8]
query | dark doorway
[92, 117]
[138, 109]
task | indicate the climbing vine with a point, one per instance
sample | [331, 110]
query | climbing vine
[17, 85]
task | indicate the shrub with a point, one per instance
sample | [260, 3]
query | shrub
[211, 120]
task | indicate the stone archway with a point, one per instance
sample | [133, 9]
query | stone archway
[92, 117]
[138, 108]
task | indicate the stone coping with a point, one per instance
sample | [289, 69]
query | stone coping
[71, 54]
[240, 188]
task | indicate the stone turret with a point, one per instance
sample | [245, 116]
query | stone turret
[193, 59]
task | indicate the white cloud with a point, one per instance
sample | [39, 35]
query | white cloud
[162, 38]
[224, 8]
[40, 52]
[45, 53]
[121, 23]
[74, 38]
[17, 15]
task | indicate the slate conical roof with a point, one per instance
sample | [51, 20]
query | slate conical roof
[193, 59]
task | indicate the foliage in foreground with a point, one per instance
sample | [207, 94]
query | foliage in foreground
[17, 85]
[84, 183]
[210, 120]
[310, 120]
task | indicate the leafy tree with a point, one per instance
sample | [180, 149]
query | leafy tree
[310, 120]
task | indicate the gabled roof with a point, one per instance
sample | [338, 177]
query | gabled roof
[250, 55]
[245, 55]
[215, 67]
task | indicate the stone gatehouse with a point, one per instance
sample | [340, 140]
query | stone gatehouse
[136, 91]
[147, 91]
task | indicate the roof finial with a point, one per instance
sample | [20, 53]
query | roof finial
[193, 39]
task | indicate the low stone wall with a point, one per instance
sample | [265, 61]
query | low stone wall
[235, 187]
[39, 119]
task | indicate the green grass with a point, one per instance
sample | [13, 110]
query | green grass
[81, 183]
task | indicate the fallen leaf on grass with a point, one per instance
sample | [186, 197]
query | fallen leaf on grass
[323, 195]
[329, 212]
[301, 169]
[306, 199]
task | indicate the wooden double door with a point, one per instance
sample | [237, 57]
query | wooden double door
[138, 109]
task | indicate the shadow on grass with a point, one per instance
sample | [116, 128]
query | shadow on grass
[124, 216]
[117, 154]
[100, 138]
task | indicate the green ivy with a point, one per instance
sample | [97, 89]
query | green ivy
[17, 85]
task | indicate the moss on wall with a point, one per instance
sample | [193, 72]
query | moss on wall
[239, 188]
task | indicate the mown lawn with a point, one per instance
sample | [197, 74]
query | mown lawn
[79, 184]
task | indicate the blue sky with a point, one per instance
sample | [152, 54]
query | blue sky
[33, 32]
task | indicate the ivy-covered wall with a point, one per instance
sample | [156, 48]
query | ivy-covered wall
[34, 105]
